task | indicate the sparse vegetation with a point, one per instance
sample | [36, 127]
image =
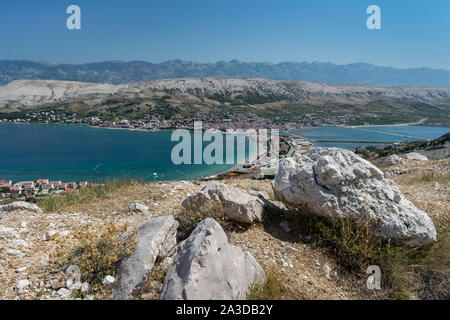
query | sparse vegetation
[407, 272]
[189, 219]
[269, 290]
[430, 177]
[97, 254]
[94, 192]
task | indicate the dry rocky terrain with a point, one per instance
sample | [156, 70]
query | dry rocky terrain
[302, 269]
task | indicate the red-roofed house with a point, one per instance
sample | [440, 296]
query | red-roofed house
[71, 185]
[28, 187]
[55, 183]
[7, 182]
[62, 186]
[15, 190]
[47, 186]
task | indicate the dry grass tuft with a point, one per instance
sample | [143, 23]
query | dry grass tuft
[97, 254]
[90, 194]
[269, 290]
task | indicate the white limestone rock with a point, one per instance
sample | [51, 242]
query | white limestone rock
[108, 280]
[391, 160]
[208, 267]
[336, 183]
[21, 205]
[155, 238]
[21, 285]
[217, 199]
[415, 156]
[138, 207]
[50, 235]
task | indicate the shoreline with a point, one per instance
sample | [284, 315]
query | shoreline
[221, 172]
[417, 123]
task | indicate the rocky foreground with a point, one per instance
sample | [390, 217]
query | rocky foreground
[210, 240]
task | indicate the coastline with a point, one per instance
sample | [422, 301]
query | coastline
[417, 123]
[221, 171]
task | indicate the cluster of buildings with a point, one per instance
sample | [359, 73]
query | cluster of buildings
[154, 122]
[31, 189]
[374, 151]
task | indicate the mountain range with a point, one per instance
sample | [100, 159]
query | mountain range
[118, 72]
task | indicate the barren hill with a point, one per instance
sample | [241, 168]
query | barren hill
[206, 93]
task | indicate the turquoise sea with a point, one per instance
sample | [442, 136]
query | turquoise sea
[334, 136]
[79, 153]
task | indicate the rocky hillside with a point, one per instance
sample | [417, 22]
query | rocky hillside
[117, 72]
[239, 239]
[37, 92]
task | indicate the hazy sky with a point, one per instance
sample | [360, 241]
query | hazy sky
[414, 33]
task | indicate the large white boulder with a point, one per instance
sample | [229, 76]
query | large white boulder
[391, 160]
[209, 268]
[336, 183]
[218, 199]
[415, 156]
[155, 238]
[21, 205]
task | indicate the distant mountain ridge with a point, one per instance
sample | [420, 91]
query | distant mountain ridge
[118, 72]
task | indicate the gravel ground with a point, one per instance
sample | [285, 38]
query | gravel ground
[305, 271]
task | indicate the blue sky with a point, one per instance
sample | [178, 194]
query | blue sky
[414, 33]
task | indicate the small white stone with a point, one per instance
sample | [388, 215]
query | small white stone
[108, 280]
[51, 235]
[71, 285]
[21, 285]
[138, 207]
[18, 243]
[327, 270]
[64, 233]
[14, 252]
[23, 224]
[64, 293]
[20, 270]
[291, 249]
[84, 287]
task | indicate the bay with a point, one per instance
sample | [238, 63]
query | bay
[81, 153]
[346, 137]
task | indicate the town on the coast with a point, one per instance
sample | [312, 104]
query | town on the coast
[260, 168]
[40, 188]
[155, 122]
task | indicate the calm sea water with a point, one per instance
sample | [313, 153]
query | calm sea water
[381, 134]
[77, 153]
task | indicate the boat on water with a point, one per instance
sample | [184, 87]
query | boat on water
[155, 176]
